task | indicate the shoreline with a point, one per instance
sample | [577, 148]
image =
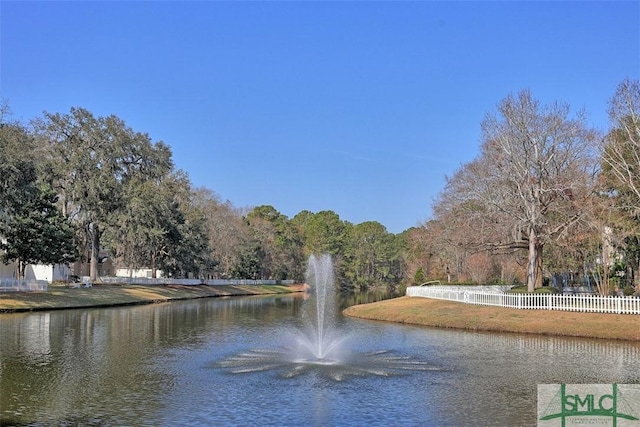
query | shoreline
[111, 295]
[457, 315]
[415, 311]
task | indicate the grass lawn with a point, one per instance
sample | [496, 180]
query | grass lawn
[449, 314]
[60, 296]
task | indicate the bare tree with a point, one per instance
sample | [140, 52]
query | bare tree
[511, 268]
[467, 225]
[525, 189]
[621, 155]
[226, 228]
[479, 267]
[419, 253]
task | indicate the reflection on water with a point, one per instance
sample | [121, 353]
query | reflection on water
[174, 364]
[617, 353]
[507, 368]
[55, 363]
[354, 298]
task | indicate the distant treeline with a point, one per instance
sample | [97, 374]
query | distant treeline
[547, 193]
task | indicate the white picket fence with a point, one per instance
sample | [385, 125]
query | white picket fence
[584, 303]
[20, 285]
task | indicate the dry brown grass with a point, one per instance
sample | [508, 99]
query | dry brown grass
[449, 314]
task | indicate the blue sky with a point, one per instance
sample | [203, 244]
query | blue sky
[358, 107]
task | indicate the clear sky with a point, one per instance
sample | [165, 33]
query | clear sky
[358, 107]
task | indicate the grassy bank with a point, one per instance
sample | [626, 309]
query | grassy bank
[60, 296]
[449, 314]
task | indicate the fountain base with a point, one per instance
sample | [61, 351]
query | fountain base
[324, 361]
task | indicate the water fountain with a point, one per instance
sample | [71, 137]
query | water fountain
[319, 342]
[320, 346]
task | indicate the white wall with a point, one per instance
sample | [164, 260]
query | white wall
[136, 272]
[49, 273]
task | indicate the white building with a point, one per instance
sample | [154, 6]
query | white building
[137, 272]
[49, 273]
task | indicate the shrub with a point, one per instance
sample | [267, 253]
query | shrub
[522, 289]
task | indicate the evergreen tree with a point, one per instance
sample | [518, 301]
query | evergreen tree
[36, 232]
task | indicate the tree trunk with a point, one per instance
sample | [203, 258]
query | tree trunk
[22, 266]
[606, 267]
[606, 289]
[538, 283]
[95, 248]
[534, 264]
[153, 266]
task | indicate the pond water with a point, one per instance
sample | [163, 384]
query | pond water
[223, 361]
